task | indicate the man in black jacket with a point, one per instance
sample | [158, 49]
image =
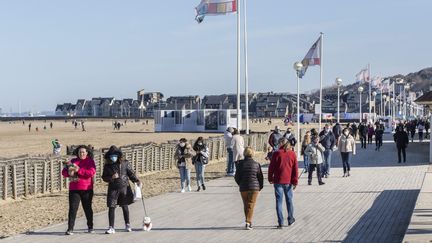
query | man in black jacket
[363, 134]
[401, 140]
[328, 141]
[337, 130]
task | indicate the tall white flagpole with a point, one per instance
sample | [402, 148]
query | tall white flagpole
[239, 117]
[246, 69]
[321, 77]
[370, 91]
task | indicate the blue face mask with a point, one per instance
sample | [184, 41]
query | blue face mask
[113, 158]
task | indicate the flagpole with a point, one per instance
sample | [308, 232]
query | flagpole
[321, 78]
[238, 67]
[370, 91]
[246, 69]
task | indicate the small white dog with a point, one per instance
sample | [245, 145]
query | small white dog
[147, 224]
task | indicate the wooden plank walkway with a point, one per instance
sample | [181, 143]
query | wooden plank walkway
[375, 204]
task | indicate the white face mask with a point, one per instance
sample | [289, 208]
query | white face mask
[346, 133]
[113, 158]
[200, 144]
[182, 144]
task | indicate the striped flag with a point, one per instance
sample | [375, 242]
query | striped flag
[377, 82]
[214, 7]
[312, 58]
[363, 76]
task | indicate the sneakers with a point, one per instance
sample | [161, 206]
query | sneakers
[279, 226]
[344, 175]
[293, 220]
[321, 183]
[189, 189]
[90, 230]
[69, 232]
[309, 183]
[110, 230]
[199, 189]
[248, 226]
[128, 228]
[182, 190]
[203, 186]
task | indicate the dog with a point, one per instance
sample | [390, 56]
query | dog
[147, 224]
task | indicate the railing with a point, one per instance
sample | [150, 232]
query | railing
[28, 175]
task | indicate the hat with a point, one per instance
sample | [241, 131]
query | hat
[230, 129]
[113, 150]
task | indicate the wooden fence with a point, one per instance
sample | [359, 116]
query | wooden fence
[27, 176]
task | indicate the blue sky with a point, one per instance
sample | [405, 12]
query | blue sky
[59, 51]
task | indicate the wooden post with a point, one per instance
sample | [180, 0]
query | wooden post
[14, 182]
[25, 178]
[44, 177]
[60, 176]
[5, 182]
[52, 175]
[35, 179]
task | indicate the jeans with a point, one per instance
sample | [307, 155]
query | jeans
[184, 176]
[346, 157]
[327, 162]
[306, 162]
[199, 169]
[230, 165]
[318, 170]
[420, 133]
[401, 149]
[111, 215]
[363, 141]
[370, 139]
[86, 197]
[280, 191]
[249, 199]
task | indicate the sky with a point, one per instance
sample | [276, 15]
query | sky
[53, 52]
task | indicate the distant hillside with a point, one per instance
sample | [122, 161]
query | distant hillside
[419, 81]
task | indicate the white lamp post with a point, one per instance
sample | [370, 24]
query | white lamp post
[298, 67]
[360, 90]
[383, 105]
[392, 108]
[338, 83]
[406, 88]
[374, 93]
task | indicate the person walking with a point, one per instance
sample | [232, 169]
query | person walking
[379, 132]
[370, 133]
[328, 141]
[250, 179]
[117, 172]
[337, 130]
[363, 134]
[183, 155]
[420, 128]
[230, 160]
[354, 130]
[401, 140]
[427, 126]
[347, 148]
[80, 170]
[274, 138]
[315, 150]
[283, 174]
[306, 141]
[237, 143]
[412, 130]
[291, 138]
[200, 160]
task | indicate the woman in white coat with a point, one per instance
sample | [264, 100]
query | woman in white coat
[237, 143]
[347, 148]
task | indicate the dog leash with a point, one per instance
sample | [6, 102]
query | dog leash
[145, 211]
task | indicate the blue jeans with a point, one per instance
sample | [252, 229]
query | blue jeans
[199, 168]
[184, 176]
[346, 157]
[327, 162]
[306, 162]
[230, 165]
[280, 190]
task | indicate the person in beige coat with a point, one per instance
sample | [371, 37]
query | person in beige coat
[183, 155]
[314, 151]
[237, 144]
[347, 148]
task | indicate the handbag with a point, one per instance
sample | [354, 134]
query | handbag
[137, 193]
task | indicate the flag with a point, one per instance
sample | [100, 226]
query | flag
[385, 85]
[312, 58]
[214, 7]
[377, 82]
[363, 75]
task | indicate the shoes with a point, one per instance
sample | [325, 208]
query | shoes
[309, 183]
[279, 226]
[399, 162]
[293, 220]
[248, 226]
[204, 187]
[326, 176]
[321, 183]
[348, 174]
[182, 190]
[128, 228]
[90, 230]
[199, 189]
[110, 230]
[189, 189]
[344, 175]
[69, 232]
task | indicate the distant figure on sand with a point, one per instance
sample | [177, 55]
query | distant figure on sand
[29, 126]
[183, 155]
[56, 146]
[51, 125]
[82, 126]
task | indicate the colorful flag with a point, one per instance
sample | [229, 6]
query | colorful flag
[385, 85]
[312, 58]
[377, 82]
[214, 7]
[363, 76]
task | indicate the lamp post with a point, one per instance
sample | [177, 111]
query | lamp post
[360, 90]
[374, 104]
[392, 108]
[298, 67]
[406, 88]
[383, 105]
[338, 83]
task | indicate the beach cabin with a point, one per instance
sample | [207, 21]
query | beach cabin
[205, 120]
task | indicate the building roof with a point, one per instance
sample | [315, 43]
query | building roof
[425, 99]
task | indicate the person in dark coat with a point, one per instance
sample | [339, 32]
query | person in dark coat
[337, 131]
[250, 179]
[328, 141]
[379, 132]
[401, 140]
[412, 130]
[363, 134]
[354, 129]
[117, 172]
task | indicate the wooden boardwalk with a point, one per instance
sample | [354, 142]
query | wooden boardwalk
[375, 204]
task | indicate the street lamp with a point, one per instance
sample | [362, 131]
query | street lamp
[406, 88]
[392, 108]
[298, 67]
[338, 83]
[374, 93]
[360, 90]
[383, 105]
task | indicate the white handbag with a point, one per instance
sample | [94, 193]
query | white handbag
[137, 193]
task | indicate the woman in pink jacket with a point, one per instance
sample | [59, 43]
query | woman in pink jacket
[80, 172]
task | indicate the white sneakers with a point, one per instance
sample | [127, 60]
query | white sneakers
[182, 190]
[110, 230]
[189, 188]
[128, 228]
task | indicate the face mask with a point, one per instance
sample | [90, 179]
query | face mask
[346, 133]
[328, 129]
[113, 158]
[182, 145]
[200, 144]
